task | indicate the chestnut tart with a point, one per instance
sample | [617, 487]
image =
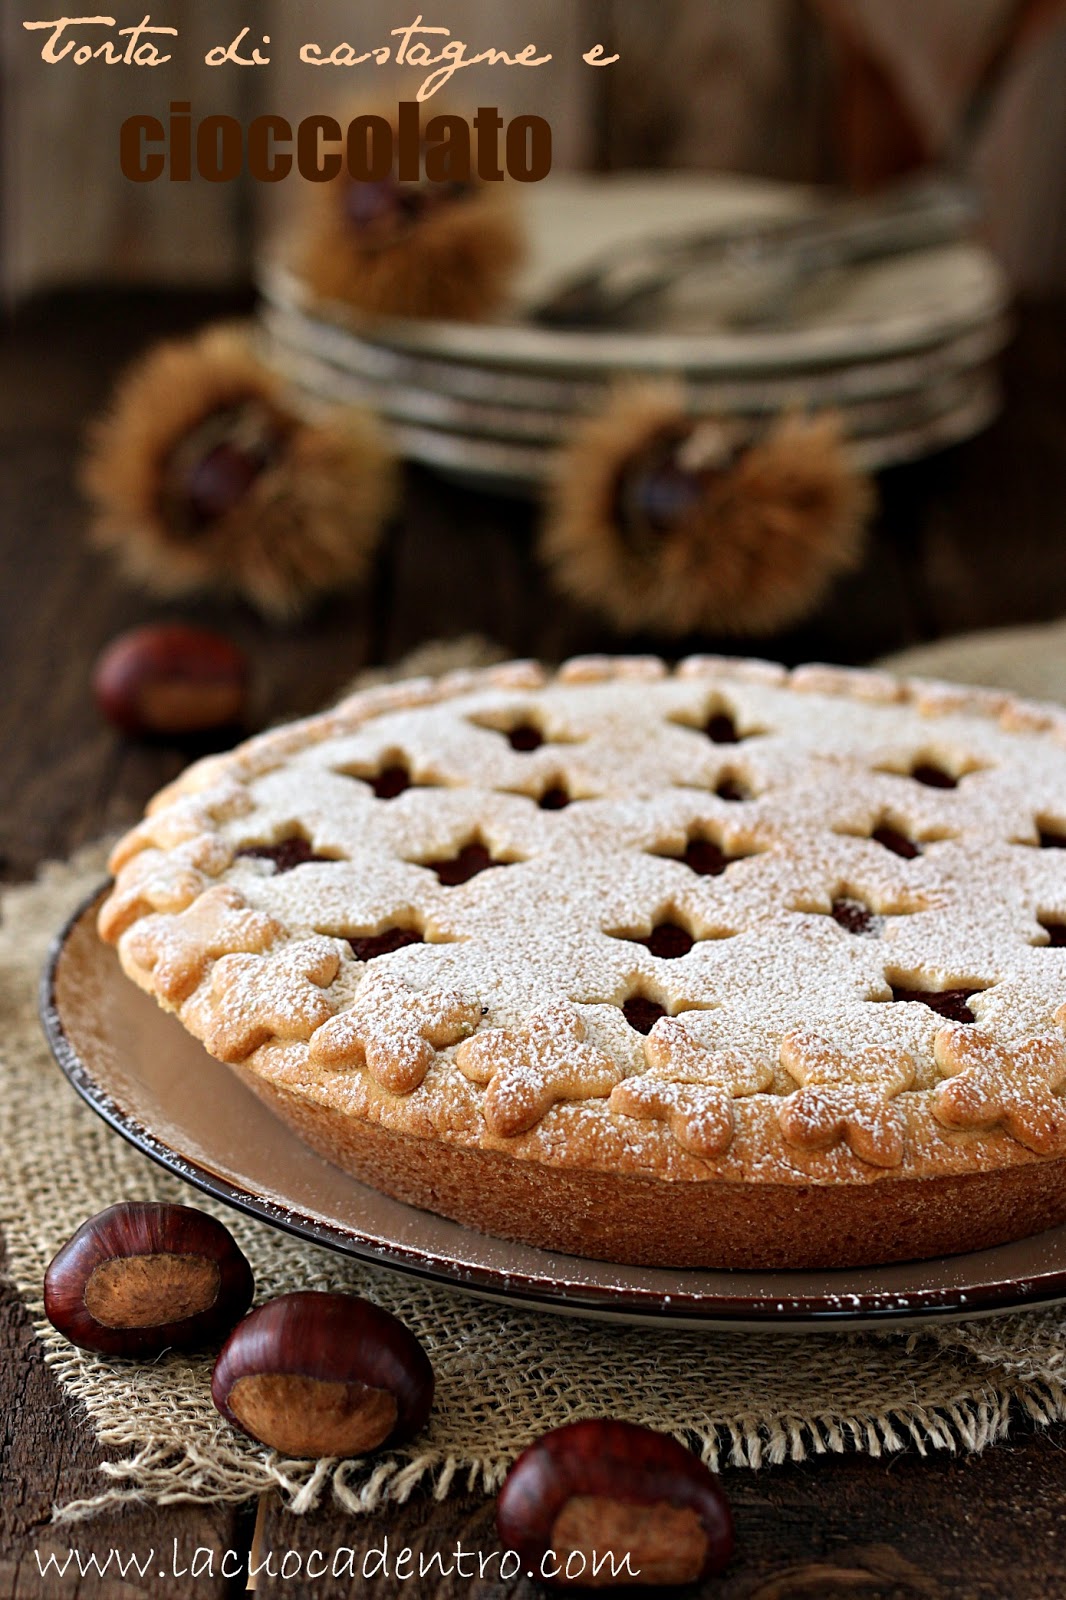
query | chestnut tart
[719, 965]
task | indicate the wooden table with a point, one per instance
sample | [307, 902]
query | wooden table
[970, 539]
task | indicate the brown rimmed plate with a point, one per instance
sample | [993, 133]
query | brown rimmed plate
[156, 1086]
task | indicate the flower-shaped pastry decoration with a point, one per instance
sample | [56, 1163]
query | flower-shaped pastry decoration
[162, 880]
[845, 1095]
[188, 818]
[690, 1088]
[280, 995]
[529, 1068]
[394, 1031]
[175, 949]
[990, 1084]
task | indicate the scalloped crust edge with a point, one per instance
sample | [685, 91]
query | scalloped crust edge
[609, 1216]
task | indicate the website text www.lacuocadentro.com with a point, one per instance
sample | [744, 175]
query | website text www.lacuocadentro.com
[374, 1560]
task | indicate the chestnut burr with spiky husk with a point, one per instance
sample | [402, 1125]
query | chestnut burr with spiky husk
[205, 476]
[411, 249]
[670, 523]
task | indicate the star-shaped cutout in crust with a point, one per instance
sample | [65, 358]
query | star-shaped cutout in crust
[529, 1068]
[696, 1099]
[176, 948]
[1003, 1085]
[280, 995]
[845, 1096]
[162, 880]
[393, 1031]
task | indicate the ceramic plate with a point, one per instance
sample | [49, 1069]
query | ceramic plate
[864, 418]
[881, 308]
[154, 1084]
[356, 355]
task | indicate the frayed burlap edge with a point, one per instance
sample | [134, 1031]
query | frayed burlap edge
[156, 1474]
[503, 1376]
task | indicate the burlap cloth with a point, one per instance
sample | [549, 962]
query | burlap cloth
[502, 1376]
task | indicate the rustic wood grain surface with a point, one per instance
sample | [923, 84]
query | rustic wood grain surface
[971, 539]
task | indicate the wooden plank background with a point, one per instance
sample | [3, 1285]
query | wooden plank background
[710, 84]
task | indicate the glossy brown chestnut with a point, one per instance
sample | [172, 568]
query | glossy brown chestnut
[169, 679]
[142, 1277]
[594, 1491]
[316, 1374]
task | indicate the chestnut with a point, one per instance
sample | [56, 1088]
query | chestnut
[318, 1374]
[167, 679]
[143, 1277]
[593, 1493]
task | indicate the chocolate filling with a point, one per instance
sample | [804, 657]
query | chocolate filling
[948, 1003]
[371, 945]
[895, 841]
[642, 1013]
[933, 777]
[471, 859]
[855, 917]
[286, 854]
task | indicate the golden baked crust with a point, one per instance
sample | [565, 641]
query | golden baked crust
[726, 966]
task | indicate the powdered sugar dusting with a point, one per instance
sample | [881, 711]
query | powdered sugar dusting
[555, 922]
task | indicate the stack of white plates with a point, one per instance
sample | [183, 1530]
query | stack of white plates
[902, 348]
